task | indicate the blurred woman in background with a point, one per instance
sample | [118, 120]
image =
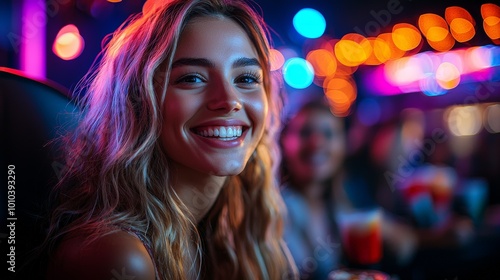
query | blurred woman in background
[314, 148]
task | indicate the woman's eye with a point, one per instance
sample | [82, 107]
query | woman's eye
[248, 79]
[190, 79]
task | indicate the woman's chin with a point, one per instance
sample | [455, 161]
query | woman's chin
[228, 168]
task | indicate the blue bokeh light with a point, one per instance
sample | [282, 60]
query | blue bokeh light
[309, 23]
[298, 73]
[430, 87]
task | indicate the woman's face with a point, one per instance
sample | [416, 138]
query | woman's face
[215, 105]
[314, 146]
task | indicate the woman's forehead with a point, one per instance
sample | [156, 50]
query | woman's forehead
[215, 37]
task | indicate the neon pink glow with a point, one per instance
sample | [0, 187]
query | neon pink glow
[379, 84]
[32, 47]
[434, 73]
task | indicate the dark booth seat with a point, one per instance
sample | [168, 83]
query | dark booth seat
[32, 114]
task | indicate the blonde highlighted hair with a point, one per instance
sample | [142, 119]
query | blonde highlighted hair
[116, 176]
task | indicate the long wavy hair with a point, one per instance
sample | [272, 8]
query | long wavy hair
[115, 176]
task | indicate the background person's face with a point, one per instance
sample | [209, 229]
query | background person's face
[215, 104]
[314, 146]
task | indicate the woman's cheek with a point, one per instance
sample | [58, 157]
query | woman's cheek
[258, 108]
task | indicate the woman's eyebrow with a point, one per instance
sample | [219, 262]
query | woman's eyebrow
[191, 61]
[245, 61]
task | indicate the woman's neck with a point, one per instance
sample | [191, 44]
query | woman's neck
[197, 190]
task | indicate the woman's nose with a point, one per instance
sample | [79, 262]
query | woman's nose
[224, 97]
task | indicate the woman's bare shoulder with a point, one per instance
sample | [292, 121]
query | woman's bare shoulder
[118, 255]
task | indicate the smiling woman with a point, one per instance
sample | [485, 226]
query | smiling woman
[219, 88]
[170, 173]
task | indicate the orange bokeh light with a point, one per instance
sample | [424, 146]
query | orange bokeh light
[394, 52]
[443, 45]
[352, 50]
[276, 59]
[437, 34]
[454, 12]
[492, 20]
[490, 10]
[68, 44]
[345, 84]
[462, 29]
[429, 20]
[343, 70]
[381, 51]
[491, 24]
[339, 101]
[323, 62]
[406, 36]
[435, 29]
[461, 23]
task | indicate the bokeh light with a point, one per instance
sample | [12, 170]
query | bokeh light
[381, 51]
[491, 21]
[288, 53]
[406, 36]
[461, 23]
[435, 73]
[477, 58]
[428, 21]
[437, 34]
[492, 118]
[353, 49]
[430, 87]
[394, 51]
[462, 30]
[435, 29]
[341, 92]
[464, 120]
[68, 44]
[443, 45]
[298, 73]
[276, 59]
[447, 75]
[323, 62]
[454, 57]
[309, 23]
[403, 71]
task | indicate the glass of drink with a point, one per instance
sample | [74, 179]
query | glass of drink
[475, 195]
[361, 236]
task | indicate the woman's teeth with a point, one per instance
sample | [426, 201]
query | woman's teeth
[220, 131]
